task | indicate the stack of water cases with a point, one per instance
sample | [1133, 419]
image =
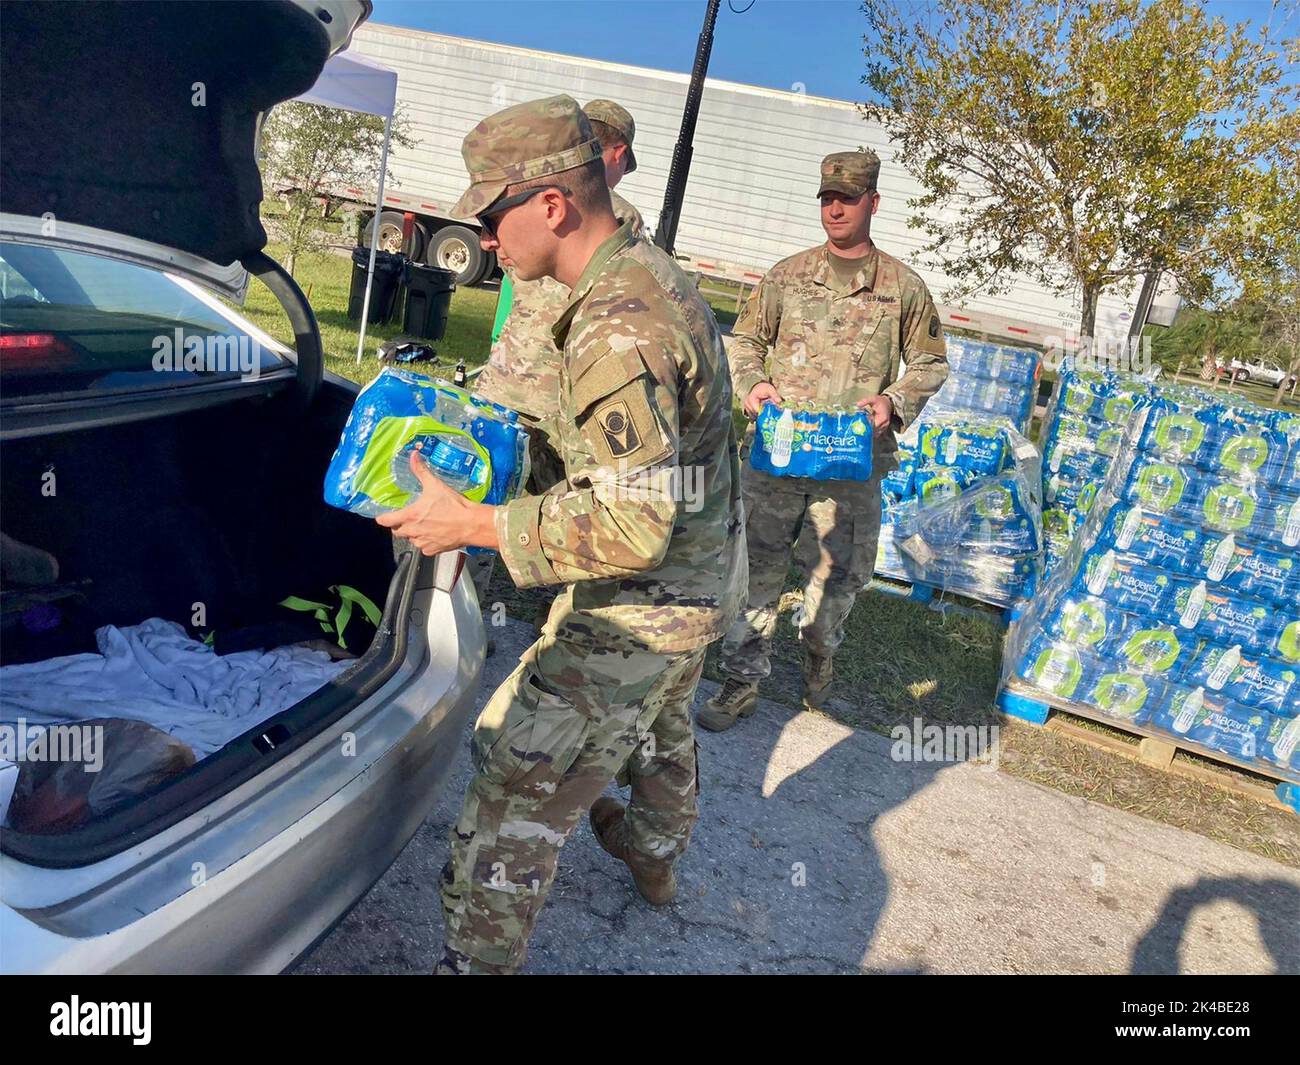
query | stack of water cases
[1176, 609]
[961, 512]
[993, 380]
[1085, 423]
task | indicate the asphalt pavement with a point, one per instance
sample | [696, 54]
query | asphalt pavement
[818, 851]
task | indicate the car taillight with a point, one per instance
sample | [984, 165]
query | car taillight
[35, 351]
[460, 565]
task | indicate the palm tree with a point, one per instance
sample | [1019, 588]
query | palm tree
[1209, 336]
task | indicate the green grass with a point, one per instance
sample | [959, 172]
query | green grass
[721, 296]
[1255, 392]
[900, 660]
[325, 279]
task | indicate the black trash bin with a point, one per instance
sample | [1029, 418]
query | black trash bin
[389, 267]
[428, 301]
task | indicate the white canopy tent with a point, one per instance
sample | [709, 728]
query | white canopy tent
[354, 83]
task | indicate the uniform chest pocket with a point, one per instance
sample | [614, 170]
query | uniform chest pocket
[876, 344]
[801, 333]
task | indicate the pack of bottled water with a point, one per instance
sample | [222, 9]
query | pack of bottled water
[995, 380]
[1176, 607]
[961, 512]
[474, 446]
[821, 444]
[1086, 418]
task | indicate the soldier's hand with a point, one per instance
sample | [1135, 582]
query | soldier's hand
[761, 393]
[882, 411]
[440, 518]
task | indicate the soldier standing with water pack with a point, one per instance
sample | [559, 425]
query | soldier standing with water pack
[824, 328]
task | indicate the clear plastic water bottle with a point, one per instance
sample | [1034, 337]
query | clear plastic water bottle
[451, 458]
[1191, 614]
[1228, 661]
[1191, 707]
[1287, 743]
[783, 440]
[1291, 532]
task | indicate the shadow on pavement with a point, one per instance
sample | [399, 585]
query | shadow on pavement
[1274, 903]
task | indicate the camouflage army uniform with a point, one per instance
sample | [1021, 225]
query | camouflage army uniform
[649, 581]
[523, 373]
[826, 345]
[523, 370]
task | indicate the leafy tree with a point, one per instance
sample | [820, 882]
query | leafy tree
[1276, 287]
[309, 149]
[1086, 143]
[1282, 342]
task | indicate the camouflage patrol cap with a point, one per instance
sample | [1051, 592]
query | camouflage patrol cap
[617, 117]
[523, 142]
[851, 173]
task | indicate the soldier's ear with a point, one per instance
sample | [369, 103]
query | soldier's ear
[559, 209]
[875, 201]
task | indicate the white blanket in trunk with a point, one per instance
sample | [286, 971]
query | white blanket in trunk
[154, 672]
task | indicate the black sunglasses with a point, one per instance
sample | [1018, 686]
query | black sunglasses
[501, 206]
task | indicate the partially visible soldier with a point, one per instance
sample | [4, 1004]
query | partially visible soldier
[523, 368]
[652, 574]
[826, 327]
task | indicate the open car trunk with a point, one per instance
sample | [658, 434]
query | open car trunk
[212, 516]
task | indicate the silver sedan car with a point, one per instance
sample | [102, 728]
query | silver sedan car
[119, 219]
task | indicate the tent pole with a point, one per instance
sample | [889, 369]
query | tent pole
[374, 237]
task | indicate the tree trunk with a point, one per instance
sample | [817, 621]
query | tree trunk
[1091, 293]
[1208, 370]
[1293, 367]
[297, 232]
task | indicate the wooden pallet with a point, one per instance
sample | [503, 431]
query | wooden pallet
[942, 599]
[1155, 749]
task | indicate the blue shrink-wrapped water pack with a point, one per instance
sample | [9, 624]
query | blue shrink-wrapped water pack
[476, 447]
[824, 445]
[1086, 418]
[993, 380]
[961, 512]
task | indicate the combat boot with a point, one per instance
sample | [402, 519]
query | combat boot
[818, 673]
[653, 876]
[737, 699]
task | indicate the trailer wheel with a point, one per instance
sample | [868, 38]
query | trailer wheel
[390, 235]
[457, 249]
[390, 231]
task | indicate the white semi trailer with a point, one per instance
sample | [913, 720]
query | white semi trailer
[750, 200]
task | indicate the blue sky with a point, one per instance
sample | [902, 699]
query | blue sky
[774, 43]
